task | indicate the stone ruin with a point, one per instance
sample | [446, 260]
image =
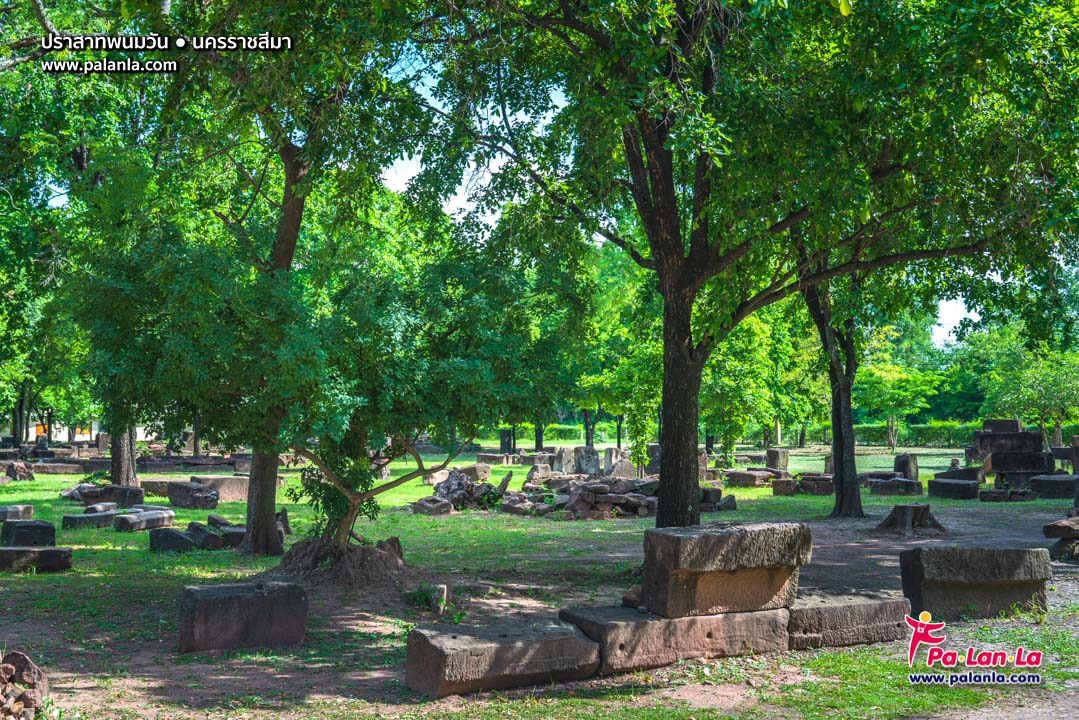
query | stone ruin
[29, 545]
[24, 687]
[263, 614]
[584, 492]
[708, 591]
[1066, 533]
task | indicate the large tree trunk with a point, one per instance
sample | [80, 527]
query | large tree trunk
[261, 537]
[842, 365]
[618, 424]
[539, 435]
[679, 489]
[589, 428]
[1058, 434]
[778, 433]
[802, 437]
[122, 463]
[196, 437]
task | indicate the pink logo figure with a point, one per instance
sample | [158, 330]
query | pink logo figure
[923, 633]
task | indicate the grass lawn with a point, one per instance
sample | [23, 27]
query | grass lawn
[106, 630]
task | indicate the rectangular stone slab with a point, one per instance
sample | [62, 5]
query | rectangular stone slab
[242, 615]
[16, 512]
[42, 559]
[147, 520]
[93, 520]
[954, 489]
[458, 660]
[27, 533]
[723, 567]
[895, 486]
[840, 620]
[629, 640]
[952, 582]
[998, 462]
[1061, 487]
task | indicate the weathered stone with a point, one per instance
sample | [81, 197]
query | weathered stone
[477, 473]
[41, 559]
[19, 471]
[1002, 425]
[146, 520]
[538, 473]
[16, 512]
[712, 496]
[432, 505]
[623, 468]
[230, 488]
[817, 487]
[629, 640]
[586, 461]
[1055, 486]
[723, 567]
[123, 495]
[93, 520]
[1065, 550]
[646, 487]
[895, 486]
[233, 535]
[25, 673]
[785, 487]
[955, 489]
[776, 458]
[1067, 529]
[75, 493]
[596, 488]
[204, 538]
[986, 443]
[192, 496]
[434, 478]
[837, 621]
[461, 660]
[156, 488]
[100, 508]
[727, 503]
[492, 458]
[974, 474]
[952, 582]
[907, 465]
[748, 478]
[170, 540]
[27, 533]
[1004, 462]
[216, 521]
[265, 614]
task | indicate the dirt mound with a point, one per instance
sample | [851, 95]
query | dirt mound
[317, 562]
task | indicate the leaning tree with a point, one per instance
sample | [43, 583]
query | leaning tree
[763, 148]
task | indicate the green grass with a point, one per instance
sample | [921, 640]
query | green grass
[119, 597]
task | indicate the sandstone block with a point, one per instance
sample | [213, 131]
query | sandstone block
[895, 486]
[93, 520]
[629, 640]
[837, 621]
[952, 582]
[16, 512]
[723, 567]
[242, 615]
[146, 520]
[41, 559]
[955, 489]
[1064, 487]
[27, 533]
[460, 660]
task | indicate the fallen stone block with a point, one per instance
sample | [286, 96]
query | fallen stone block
[123, 495]
[954, 489]
[216, 521]
[777, 458]
[477, 473]
[460, 660]
[1064, 550]
[157, 488]
[203, 537]
[629, 640]
[785, 487]
[723, 567]
[818, 621]
[1063, 529]
[170, 540]
[748, 478]
[817, 487]
[41, 559]
[239, 615]
[432, 505]
[233, 535]
[999, 462]
[895, 486]
[230, 488]
[1059, 487]
[727, 503]
[906, 464]
[99, 508]
[93, 520]
[148, 520]
[27, 533]
[952, 582]
[192, 496]
[16, 512]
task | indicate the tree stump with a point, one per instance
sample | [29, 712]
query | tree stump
[910, 517]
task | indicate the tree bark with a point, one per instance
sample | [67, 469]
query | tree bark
[1058, 434]
[261, 537]
[196, 437]
[842, 366]
[513, 437]
[539, 436]
[122, 461]
[589, 428]
[778, 433]
[618, 425]
[679, 488]
[802, 437]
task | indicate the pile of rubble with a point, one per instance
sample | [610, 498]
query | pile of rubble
[23, 687]
[575, 488]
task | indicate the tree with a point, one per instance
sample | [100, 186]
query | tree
[763, 150]
[1042, 385]
[889, 390]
